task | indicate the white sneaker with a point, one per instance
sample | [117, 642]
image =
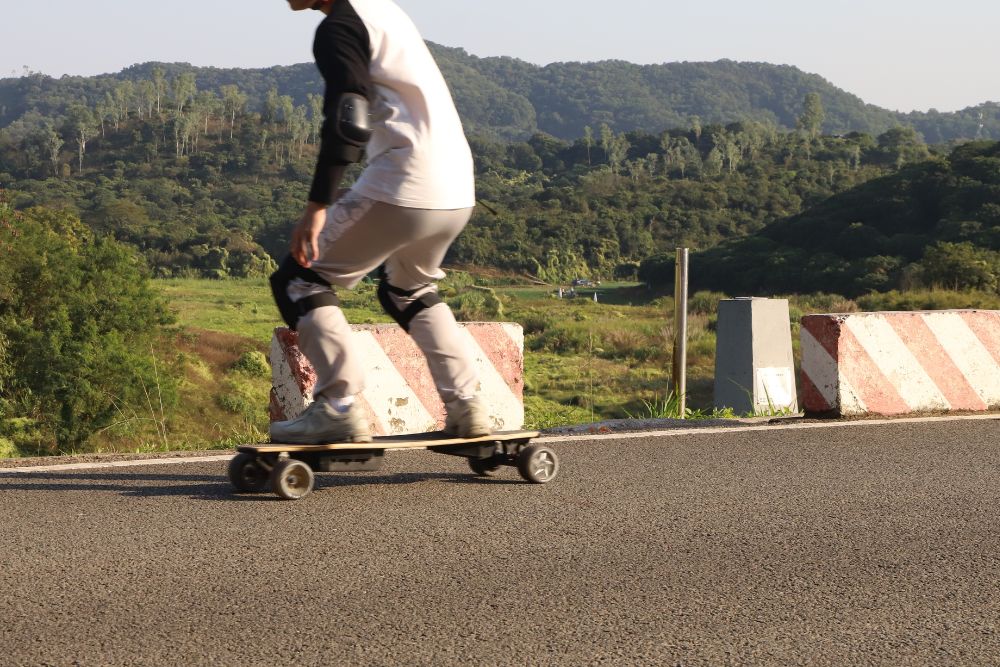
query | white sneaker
[467, 418]
[322, 424]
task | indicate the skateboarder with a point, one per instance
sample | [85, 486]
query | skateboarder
[384, 96]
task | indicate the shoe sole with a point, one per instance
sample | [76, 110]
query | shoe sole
[358, 439]
[471, 434]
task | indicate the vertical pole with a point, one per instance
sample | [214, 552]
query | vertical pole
[680, 330]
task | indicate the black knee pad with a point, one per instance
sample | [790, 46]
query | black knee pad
[293, 311]
[404, 316]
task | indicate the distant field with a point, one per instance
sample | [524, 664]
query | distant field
[244, 307]
[241, 307]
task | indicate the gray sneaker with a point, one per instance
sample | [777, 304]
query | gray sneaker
[467, 418]
[321, 424]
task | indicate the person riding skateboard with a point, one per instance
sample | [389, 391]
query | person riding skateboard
[386, 97]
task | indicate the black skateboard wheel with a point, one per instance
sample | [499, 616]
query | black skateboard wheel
[487, 467]
[538, 464]
[291, 479]
[247, 475]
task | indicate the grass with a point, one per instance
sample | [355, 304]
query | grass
[241, 307]
[244, 307]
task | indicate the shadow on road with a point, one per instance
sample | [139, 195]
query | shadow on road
[210, 487]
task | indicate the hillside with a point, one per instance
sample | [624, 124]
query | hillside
[510, 99]
[201, 184]
[933, 224]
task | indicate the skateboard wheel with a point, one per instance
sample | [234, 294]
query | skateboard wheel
[538, 464]
[247, 475]
[484, 467]
[291, 479]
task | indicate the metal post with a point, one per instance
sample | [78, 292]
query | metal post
[680, 329]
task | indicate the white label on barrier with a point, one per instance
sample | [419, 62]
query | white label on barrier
[775, 388]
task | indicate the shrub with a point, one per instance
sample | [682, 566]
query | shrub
[561, 340]
[705, 302]
[244, 399]
[479, 304]
[534, 323]
[8, 450]
[80, 324]
[253, 364]
[930, 300]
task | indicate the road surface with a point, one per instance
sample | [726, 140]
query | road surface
[849, 545]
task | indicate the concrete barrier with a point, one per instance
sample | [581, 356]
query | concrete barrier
[754, 366]
[400, 396]
[897, 363]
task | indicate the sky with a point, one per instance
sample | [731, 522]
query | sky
[902, 55]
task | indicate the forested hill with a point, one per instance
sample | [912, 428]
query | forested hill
[935, 223]
[508, 98]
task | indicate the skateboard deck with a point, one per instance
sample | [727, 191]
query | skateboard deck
[383, 442]
[288, 469]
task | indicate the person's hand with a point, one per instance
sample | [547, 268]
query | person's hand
[305, 236]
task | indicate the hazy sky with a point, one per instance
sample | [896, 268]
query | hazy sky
[913, 54]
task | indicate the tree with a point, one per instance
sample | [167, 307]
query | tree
[272, 103]
[184, 90]
[123, 98]
[811, 120]
[80, 125]
[287, 106]
[233, 102]
[145, 96]
[105, 110]
[588, 141]
[607, 137]
[901, 145]
[714, 162]
[315, 116]
[53, 144]
[159, 87]
[618, 147]
[695, 123]
[961, 266]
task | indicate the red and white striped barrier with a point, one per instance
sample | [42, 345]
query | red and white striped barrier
[399, 395]
[897, 363]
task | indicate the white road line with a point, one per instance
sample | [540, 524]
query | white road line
[549, 439]
[116, 464]
[769, 427]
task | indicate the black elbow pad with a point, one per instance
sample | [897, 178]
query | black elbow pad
[353, 125]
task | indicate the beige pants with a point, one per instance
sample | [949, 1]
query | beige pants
[360, 235]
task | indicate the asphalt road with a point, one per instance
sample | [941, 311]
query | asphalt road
[855, 545]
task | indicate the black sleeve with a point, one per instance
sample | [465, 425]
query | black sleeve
[342, 51]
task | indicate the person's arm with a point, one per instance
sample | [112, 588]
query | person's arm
[342, 56]
[305, 235]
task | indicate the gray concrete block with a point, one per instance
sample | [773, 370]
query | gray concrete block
[754, 367]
